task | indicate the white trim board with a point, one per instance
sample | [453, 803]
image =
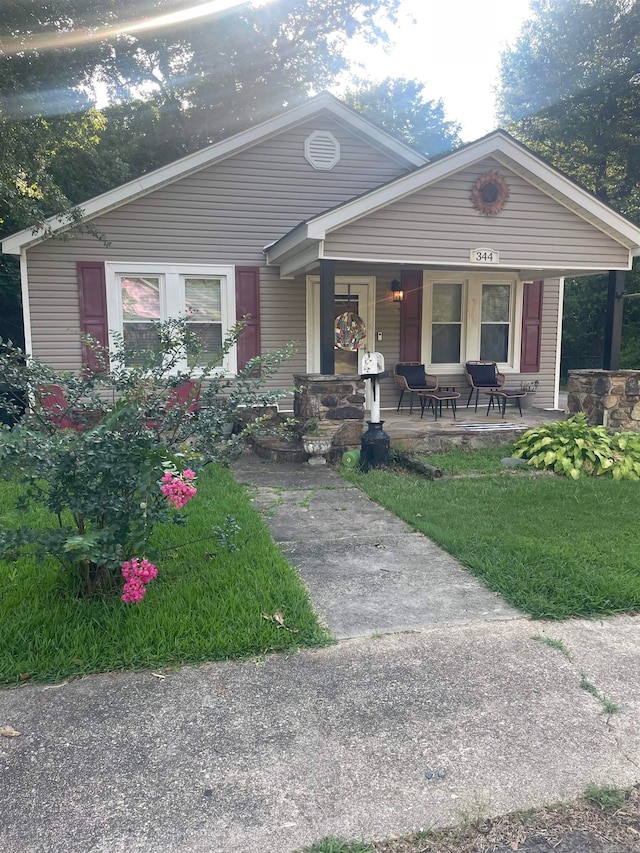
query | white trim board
[26, 308]
[556, 382]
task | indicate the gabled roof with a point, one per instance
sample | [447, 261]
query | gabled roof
[296, 248]
[322, 103]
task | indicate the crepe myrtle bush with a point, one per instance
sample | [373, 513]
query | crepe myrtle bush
[96, 448]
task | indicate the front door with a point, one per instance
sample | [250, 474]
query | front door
[350, 301]
[353, 295]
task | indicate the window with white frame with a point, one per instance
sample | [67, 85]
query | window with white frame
[446, 322]
[495, 322]
[469, 317]
[140, 295]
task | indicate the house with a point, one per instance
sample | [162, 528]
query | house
[317, 212]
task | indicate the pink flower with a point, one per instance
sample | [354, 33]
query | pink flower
[166, 478]
[137, 573]
[176, 490]
[133, 591]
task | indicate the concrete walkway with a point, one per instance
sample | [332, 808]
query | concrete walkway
[366, 570]
[370, 738]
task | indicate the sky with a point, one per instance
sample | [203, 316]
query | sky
[453, 46]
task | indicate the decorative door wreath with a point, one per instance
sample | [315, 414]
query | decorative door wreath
[490, 193]
[350, 331]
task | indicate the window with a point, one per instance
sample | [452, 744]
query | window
[446, 323]
[495, 322]
[472, 316]
[138, 295]
[203, 300]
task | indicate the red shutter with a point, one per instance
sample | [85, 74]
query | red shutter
[411, 316]
[248, 307]
[92, 293]
[531, 327]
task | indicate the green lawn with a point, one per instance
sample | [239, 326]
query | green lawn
[483, 461]
[206, 603]
[553, 547]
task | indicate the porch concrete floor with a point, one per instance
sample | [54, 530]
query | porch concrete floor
[470, 428]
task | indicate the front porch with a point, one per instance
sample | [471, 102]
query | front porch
[412, 433]
[470, 429]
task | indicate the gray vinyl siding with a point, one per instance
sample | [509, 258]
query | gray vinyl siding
[224, 214]
[439, 224]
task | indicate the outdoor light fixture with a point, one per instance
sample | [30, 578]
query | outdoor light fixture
[396, 291]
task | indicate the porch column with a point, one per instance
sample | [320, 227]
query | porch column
[327, 301]
[613, 320]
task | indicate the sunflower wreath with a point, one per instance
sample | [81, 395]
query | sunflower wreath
[490, 193]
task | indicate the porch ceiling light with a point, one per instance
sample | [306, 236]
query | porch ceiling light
[397, 294]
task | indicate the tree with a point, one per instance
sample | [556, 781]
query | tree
[173, 89]
[400, 107]
[202, 79]
[214, 77]
[570, 90]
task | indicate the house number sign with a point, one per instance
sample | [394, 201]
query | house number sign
[484, 256]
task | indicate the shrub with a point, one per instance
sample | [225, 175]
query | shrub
[114, 451]
[575, 449]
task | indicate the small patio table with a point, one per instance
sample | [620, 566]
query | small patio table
[436, 398]
[501, 395]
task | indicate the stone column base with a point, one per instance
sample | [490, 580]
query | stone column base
[331, 407]
[608, 397]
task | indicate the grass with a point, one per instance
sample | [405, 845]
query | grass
[553, 644]
[608, 707]
[553, 547]
[336, 845]
[604, 796]
[603, 812]
[483, 461]
[206, 603]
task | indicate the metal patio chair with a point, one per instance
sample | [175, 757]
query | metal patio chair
[482, 376]
[411, 376]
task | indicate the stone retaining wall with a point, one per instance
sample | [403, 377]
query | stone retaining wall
[443, 442]
[331, 405]
[608, 397]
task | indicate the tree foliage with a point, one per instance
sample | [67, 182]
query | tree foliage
[172, 87]
[401, 107]
[570, 90]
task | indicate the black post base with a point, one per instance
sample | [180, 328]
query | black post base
[375, 447]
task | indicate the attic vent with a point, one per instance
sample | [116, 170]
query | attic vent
[322, 149]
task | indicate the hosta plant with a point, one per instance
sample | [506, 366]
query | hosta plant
[576, 449]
